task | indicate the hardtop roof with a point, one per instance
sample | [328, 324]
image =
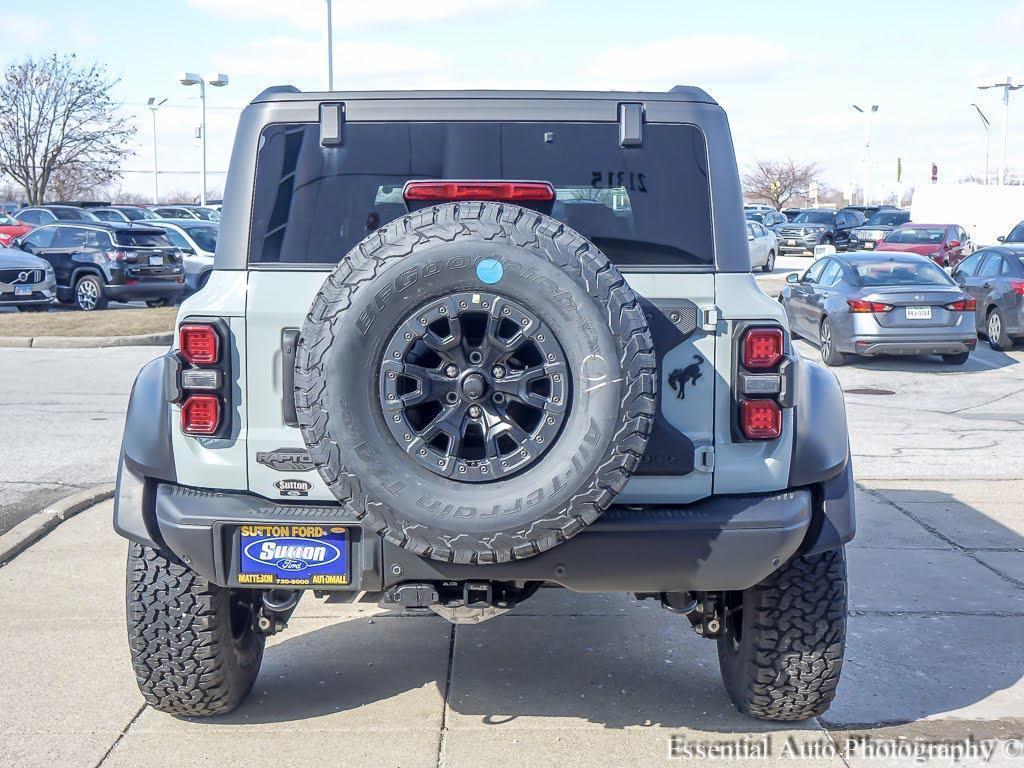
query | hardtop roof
[679, 93]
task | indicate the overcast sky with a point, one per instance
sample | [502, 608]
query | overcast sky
[786, 72]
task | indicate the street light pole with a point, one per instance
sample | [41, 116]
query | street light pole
[190, 78]
[988, 139]
[154, 105]
[867, 112]
[1007, 86]
[330, 49]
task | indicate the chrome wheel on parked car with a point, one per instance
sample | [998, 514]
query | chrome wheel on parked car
[89, 294]
[829, 354]
[995, 329]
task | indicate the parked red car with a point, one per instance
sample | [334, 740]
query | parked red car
[945, 244]
[10, 229]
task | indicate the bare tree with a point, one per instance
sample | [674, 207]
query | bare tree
[775, 182]
[58, 121]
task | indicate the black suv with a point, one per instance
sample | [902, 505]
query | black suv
[98, 262]
[818, 226]
[874, 230]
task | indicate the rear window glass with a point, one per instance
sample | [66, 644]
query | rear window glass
[205, 237]
[902, 273]
[134, 214]
[916, 236]
[643, 206]
[142, 240]
[888, 218]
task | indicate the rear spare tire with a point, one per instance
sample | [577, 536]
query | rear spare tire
[476, 381]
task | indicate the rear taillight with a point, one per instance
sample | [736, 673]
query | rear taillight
[761, 419]
[498, 191]
[860, 306]
[117, 255]
[199, 344]
[1017, 286]
[966, 304]
[762, 348]
[200, 415]
[203, 380]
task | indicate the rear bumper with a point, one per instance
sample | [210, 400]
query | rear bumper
[723, 542]
[874, 345]
[153, 288]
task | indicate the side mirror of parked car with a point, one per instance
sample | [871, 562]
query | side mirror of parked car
[954, 243]
[792, 277]
[1001, 238]
[15, 243]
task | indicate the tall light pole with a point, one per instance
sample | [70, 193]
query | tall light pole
[219, 81]
[1007, 86]
[154, 105]
[867, 112]
[988, 139]
[330, 49]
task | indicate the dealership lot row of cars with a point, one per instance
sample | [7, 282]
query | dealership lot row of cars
[89, 257]
[901, 288]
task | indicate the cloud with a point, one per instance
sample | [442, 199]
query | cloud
[311, 14]
[296, 59]
[689, 59]
[24, 28]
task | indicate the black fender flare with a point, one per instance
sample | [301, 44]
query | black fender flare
[147, 455]
[821, 455]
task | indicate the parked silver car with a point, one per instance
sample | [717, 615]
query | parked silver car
[862, 303]
[26, 281]
[197, 241]
[764, 246]
[994, 277]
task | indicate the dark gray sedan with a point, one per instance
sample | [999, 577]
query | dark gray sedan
[994, 277]
[891, 303]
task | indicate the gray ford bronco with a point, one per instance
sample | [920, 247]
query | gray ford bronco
[461, 346]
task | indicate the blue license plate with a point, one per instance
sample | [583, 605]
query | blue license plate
[293, 555]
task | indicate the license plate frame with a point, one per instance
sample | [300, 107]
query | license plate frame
[293, 555]
[23, 290]
[790, 242]
[918, 313]
[156, 261]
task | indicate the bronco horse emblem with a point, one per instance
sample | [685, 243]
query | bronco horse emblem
[679, 378]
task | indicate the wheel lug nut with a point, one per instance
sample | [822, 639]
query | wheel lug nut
[451, 371]
[498, 372]
[474, 411]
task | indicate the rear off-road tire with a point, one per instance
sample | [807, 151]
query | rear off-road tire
[193, 644]
[782, 650]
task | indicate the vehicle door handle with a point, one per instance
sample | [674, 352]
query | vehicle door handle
[289, 343]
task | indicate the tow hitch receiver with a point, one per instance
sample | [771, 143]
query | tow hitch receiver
[468, 602]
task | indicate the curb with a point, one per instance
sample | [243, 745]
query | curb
[29, 531]
[83, 342]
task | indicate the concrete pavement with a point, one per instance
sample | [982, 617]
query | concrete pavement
[936, 649]
[61, 418]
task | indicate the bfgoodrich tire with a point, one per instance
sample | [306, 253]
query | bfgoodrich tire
[782, 650]
[194, 645]
[360, 378]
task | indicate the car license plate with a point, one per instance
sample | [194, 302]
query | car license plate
[23, 290]
[293, 555]
[868, 245]
[791, 242]
[156, 261]
[919, 313]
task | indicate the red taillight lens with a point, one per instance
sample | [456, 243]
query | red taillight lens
[966, 304]
[117, 255]
[860, 306]
[501, 191]
[761, 419]
[762, 347]
[1017, 286]
[199, 344]
[200, 415]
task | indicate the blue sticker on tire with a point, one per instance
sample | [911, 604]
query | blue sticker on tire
[489, 271]
[293, 555]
